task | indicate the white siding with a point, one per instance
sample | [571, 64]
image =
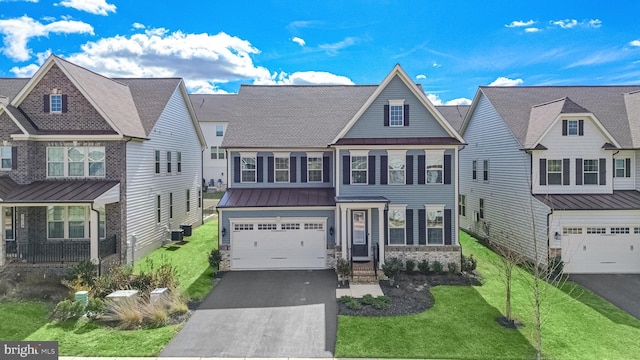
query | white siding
[174, 132]
[561, 147]
[510, 210]
[213, 168]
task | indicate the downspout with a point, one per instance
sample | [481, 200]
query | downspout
[123, 213]
[98, 259]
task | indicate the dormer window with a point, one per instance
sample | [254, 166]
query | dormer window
[396, 114]
[572, 127]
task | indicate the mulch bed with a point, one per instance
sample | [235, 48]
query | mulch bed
[410, 294]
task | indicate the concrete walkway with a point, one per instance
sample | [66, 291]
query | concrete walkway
[358, 291]
[192, 358]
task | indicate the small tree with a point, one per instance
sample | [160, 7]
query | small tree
[391, 268]
[343, 267]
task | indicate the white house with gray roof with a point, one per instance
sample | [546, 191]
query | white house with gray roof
[95, 168]
[319, 173]
[557, 167]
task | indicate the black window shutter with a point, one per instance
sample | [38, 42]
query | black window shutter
[292, 169]
[47, 104]
[409, 226]
[603, 171]
[406, 114]
[627, 167]
[384, 166]
[14, 157]
[386, 227]
[565, 172]
[564, 127]
[447, 169]
[409, 167]
[346, 170]
[236, 169]
[64, 103]
[326, 169]
[259, 169]
[270, 169]
[421, 169]
[386, 115]
[422, 227]
[543, 171]
[578, 171]
[581, 127]
[372, 170]
[303, 169]
[448, 240]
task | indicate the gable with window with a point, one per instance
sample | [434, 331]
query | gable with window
[55, 102]
[77, 161]
[396, 114]
[572, 127]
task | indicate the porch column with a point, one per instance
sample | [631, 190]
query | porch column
[343, 230]
[94, 235]
[381, 232]
[3, 240]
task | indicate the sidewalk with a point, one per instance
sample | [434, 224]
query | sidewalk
[358, 291]
[187, 358]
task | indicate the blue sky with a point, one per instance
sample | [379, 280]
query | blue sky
[450, 47]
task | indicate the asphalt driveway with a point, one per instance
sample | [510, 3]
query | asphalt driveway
[622, 290]
[263, 314]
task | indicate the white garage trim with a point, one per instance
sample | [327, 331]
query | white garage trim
[278, 243]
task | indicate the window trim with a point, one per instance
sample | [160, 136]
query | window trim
[157, 162]
[623, 168]
[170, 205]
[311, 156]
[254, 157]
[402, 156]
[364, 155]
[179, 162]
[66, 162]
[432, 208]
[591, 172]
[485, 170]
[169, 159]
[569, 127]
[219, 130]
[281, 156]
[549, 172]
[188, 200]
[159, 208]
[51, 103]
[474, 170]
[401, 209]
[66, 222]
[392, 105]
[3, 157]
[462, 205]
[439, 155]
[481, 208]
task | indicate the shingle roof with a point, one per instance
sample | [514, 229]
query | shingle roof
[609, 104]
[150, 96]
[213, 107]
[619, 200]
[454, 114]
[11, 87]
[293, 116]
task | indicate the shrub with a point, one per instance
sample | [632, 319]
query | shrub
[75, 285]
[155, 315]
[126, 313]
[381, 302]
[343, 267]
[452, 267]
[67, 309]
[468, 263]
[437, 267]
[410, 265]
[368, 299]
[351, 303]
[392, 267]
[177, 304]
[85, 270]
[95, 308]
[423, 267]
[214, 259]
[555, 267]
[118, 278]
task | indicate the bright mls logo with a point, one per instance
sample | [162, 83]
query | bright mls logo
[32, 350]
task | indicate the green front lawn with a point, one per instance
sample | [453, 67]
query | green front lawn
[462, 324]
[29, 320]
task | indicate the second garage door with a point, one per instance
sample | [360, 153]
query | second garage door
[298, 243]
[601, 250]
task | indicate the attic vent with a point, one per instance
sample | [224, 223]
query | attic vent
[4, 100]
[55, 91]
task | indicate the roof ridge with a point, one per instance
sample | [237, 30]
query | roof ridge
[67, 62]
[550, 102]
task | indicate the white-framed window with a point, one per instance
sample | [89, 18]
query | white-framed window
[241, 227]
[313, 226]
[359, 169]
[596, 230]
[636, 230]
[481, 208]
[397, 167]
[397, 225]
[179, 161]
[462, 205]
[267, 226]
[171, 205]
[474, 170]
[568, 230]
[217, 153]
[9, 226]
[281, 168]
[77, 161]
[396, 112]
[248, 168]
[572, 127]
[188, 198]
[169, 162]
[290, 226]
[55, 103]
[219, 130]
[620, 171]
[620, 230]
[314, 167]
[72, 222]
[590, 171]
[6, 162]
[157, 161]
[485, 170]
[554, 172]
[435, 167]
[158, 209]
[435, 225]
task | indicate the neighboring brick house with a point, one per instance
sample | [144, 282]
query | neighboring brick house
[92, 166]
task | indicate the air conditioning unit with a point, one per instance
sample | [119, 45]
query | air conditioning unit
[476, 216]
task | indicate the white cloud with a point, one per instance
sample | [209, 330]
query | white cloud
[97, 7]
[435, 100]
[203, 87]
[421, 77]
[436, 65]
[18, 31]
[504, 81]
[532, 30]
[298, 41]
[520, 23]
[595, 23]
[635, 43]
[308, 78]
[31, 1]
[572, 23]
[566, 23]
[137, 25]
[333, 49]
[25, 71]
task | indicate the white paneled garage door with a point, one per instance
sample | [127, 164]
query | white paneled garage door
[268, 243]
[601, 249]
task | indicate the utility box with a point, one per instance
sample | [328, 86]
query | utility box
[159, 296]
[186, 229]
[176, 235]
[123, 294]
[82, 297]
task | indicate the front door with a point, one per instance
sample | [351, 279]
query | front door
[359, 238]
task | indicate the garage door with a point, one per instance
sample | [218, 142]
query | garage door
[286, 244]
[601, 250]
